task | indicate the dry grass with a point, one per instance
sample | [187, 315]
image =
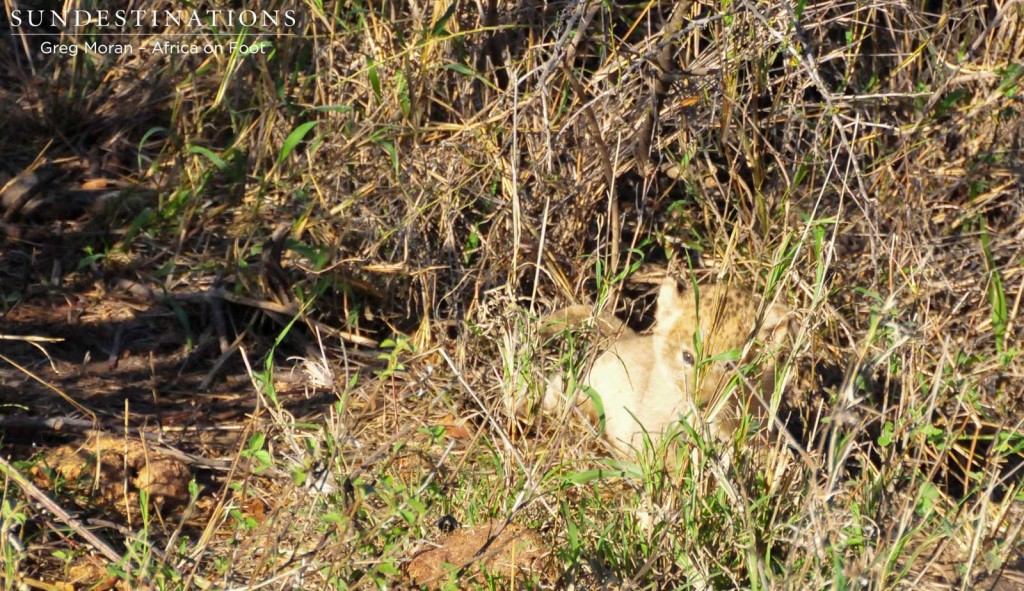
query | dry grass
[432, 177]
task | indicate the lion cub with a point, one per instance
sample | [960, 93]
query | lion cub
[684, 368]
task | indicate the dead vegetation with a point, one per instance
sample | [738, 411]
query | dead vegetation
[314, 276]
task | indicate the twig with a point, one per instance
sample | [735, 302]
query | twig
[60, 392]
[29, 338]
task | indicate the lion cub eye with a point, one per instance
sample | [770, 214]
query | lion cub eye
[687, 358]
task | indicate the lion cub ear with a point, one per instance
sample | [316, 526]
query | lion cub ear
[777, 326]
[670, 303]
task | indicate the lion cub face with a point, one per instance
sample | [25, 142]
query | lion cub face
[702, 336]
[688, 367]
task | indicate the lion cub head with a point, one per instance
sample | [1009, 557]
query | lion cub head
[701, 336]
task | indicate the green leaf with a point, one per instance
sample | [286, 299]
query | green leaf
[1000, 315]
[212, 157]
[460, 68]
[256, 442]
[467, 71]
[144, 219]
[730, 355]
[928, 494]
[294, 138]
[390, 149]
[885, 439]
[614, 470]
[404, 100]
[264, 460]
[1011, 78]
[439, 26]
[572, 530]
[145, 138]
[371, 67]
[801, 5]
[334, 108]
[595, 399]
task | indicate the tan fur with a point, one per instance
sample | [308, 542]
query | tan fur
[649, 382]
